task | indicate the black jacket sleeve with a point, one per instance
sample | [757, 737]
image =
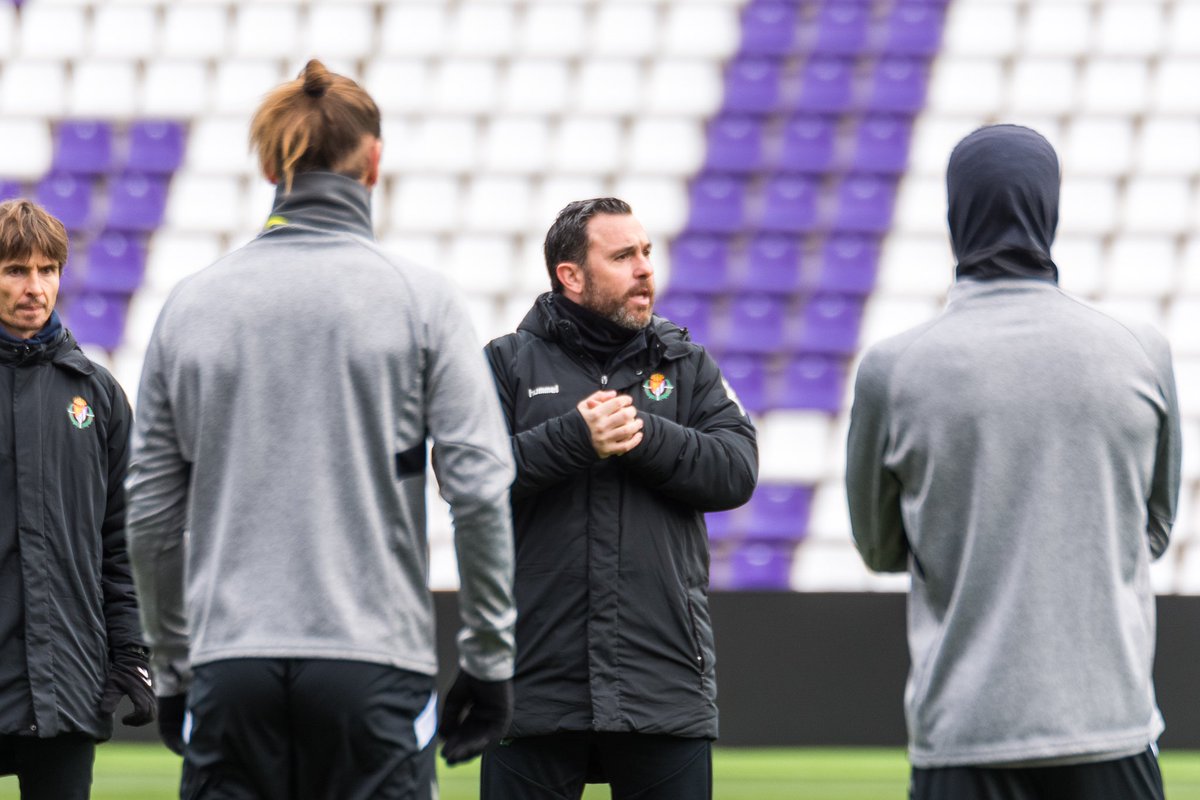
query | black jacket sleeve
[709, 463]
[548, 453]
[120, 601]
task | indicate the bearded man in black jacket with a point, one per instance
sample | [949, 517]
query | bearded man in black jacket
[624, 433]
[70, 643]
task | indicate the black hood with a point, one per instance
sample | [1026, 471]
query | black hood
[1002, 187]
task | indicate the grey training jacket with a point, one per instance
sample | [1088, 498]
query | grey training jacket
[286, 399]
[1019, 455]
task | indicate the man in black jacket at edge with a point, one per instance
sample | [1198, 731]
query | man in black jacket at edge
[624, 434]
[70, 642]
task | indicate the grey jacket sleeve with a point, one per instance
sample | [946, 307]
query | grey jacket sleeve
[1164, 484]
[158, 492]
[871, 488]
[474, 468]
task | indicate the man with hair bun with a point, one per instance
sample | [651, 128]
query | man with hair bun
[288, 393]
[70, 646]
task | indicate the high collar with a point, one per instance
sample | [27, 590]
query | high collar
[967, 289]
[57, 345]
[662, 337]
[324, 200]
[601, 338]
[47, 334]
[1002, 186]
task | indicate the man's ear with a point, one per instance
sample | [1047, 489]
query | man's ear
[373, 156]
[570, 275]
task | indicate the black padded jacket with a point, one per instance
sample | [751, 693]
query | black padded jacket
[613, 626]
[68, 595]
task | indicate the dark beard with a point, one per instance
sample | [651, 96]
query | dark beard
[613, 309]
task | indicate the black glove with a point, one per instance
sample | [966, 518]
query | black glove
[129, 674]
[475, 715]
[171, 711]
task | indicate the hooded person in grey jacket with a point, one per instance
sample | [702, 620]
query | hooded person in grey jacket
[287, 396]
[1019, 456]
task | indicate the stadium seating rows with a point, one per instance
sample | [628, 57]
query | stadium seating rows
[787, 158]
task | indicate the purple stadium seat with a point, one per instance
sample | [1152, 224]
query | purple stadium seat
[115, 262]
[808, 144]
[756, 324]
[768, 27]
[790, 204]
[717, 204]
[155, 147]
[722, 524]
[830, 325]
[690, 311]
[752, 85]
[882, 144]
[10, 190]
[848, 264]
[97, 318]
[735, 144]
[811, 381]
[773, 264]
[827, 85]
[914, 28]
[759, 566]
[747, 374]
[864, 203]
[779, 511]
[67, 197]
[899, 85]
[136, 202]
[700, 263]
[841, 29]
[83, 147]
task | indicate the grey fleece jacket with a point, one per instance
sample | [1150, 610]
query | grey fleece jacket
[1019, 455]
[287, 395]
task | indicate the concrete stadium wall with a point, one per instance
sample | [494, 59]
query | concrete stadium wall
[806, 669]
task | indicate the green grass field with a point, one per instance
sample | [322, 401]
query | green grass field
[144, 772]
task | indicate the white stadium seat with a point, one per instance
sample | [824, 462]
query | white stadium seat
[440, 144]
[687, 87]
[587, 146]
[48, 31]
[703, 30]
[659, 203]
[425, 204]
[516, 145]
[536, 86]
[33, 88]
[496, 204]
[103, 89]
[241, 84]
[399, 85]
[1129, 29]
[669, 146]
[793, 446]
[829, 566]
[553, 30]
[1140, 266]
[1057, 29]
[1045, 85]
[265, 30]
[340, 30]
[966, 85]
[934, 137]
[554, 191]
[204, 204]
[28, 147]
[1098, 146]
[1157, 205]
[8, 28]
[481, 264]
[608, 86]
[175, 89]
[1115, 86]
[410, 30]
[124, 31]
[921, 204]
[220, 146]
[915, 265]
[1183, 29]
[980, 29]
[1177, 86]
[829, 519]
[625, 29]
[1080, 262]
[193, 30]
[1168, 146]
[1087, 205]
[483, 29]
[172, 256]
[884, 316]
[465, 86]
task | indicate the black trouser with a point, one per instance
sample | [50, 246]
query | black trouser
[57, 768]
[1133, 778]
[301, 729]
[637, 766]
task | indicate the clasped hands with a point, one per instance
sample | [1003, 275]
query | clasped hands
[613, 421]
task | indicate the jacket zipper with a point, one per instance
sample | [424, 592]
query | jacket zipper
[603, 381]
[696, 639]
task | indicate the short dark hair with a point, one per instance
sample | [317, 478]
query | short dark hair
[567, 239]
[25, 228]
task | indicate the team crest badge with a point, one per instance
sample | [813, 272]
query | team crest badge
[657, 387]
[80, 413]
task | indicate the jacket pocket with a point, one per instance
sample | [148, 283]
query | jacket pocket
[697, 647]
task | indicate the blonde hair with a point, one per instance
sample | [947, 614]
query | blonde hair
[27, 228]
[315, 122]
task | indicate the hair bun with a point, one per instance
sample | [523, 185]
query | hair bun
[316, 79]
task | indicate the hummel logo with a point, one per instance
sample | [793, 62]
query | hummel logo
[544, 390]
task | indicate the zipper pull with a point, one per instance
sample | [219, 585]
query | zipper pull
[603, 381]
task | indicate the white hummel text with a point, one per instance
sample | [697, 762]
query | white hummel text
[544, 390]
